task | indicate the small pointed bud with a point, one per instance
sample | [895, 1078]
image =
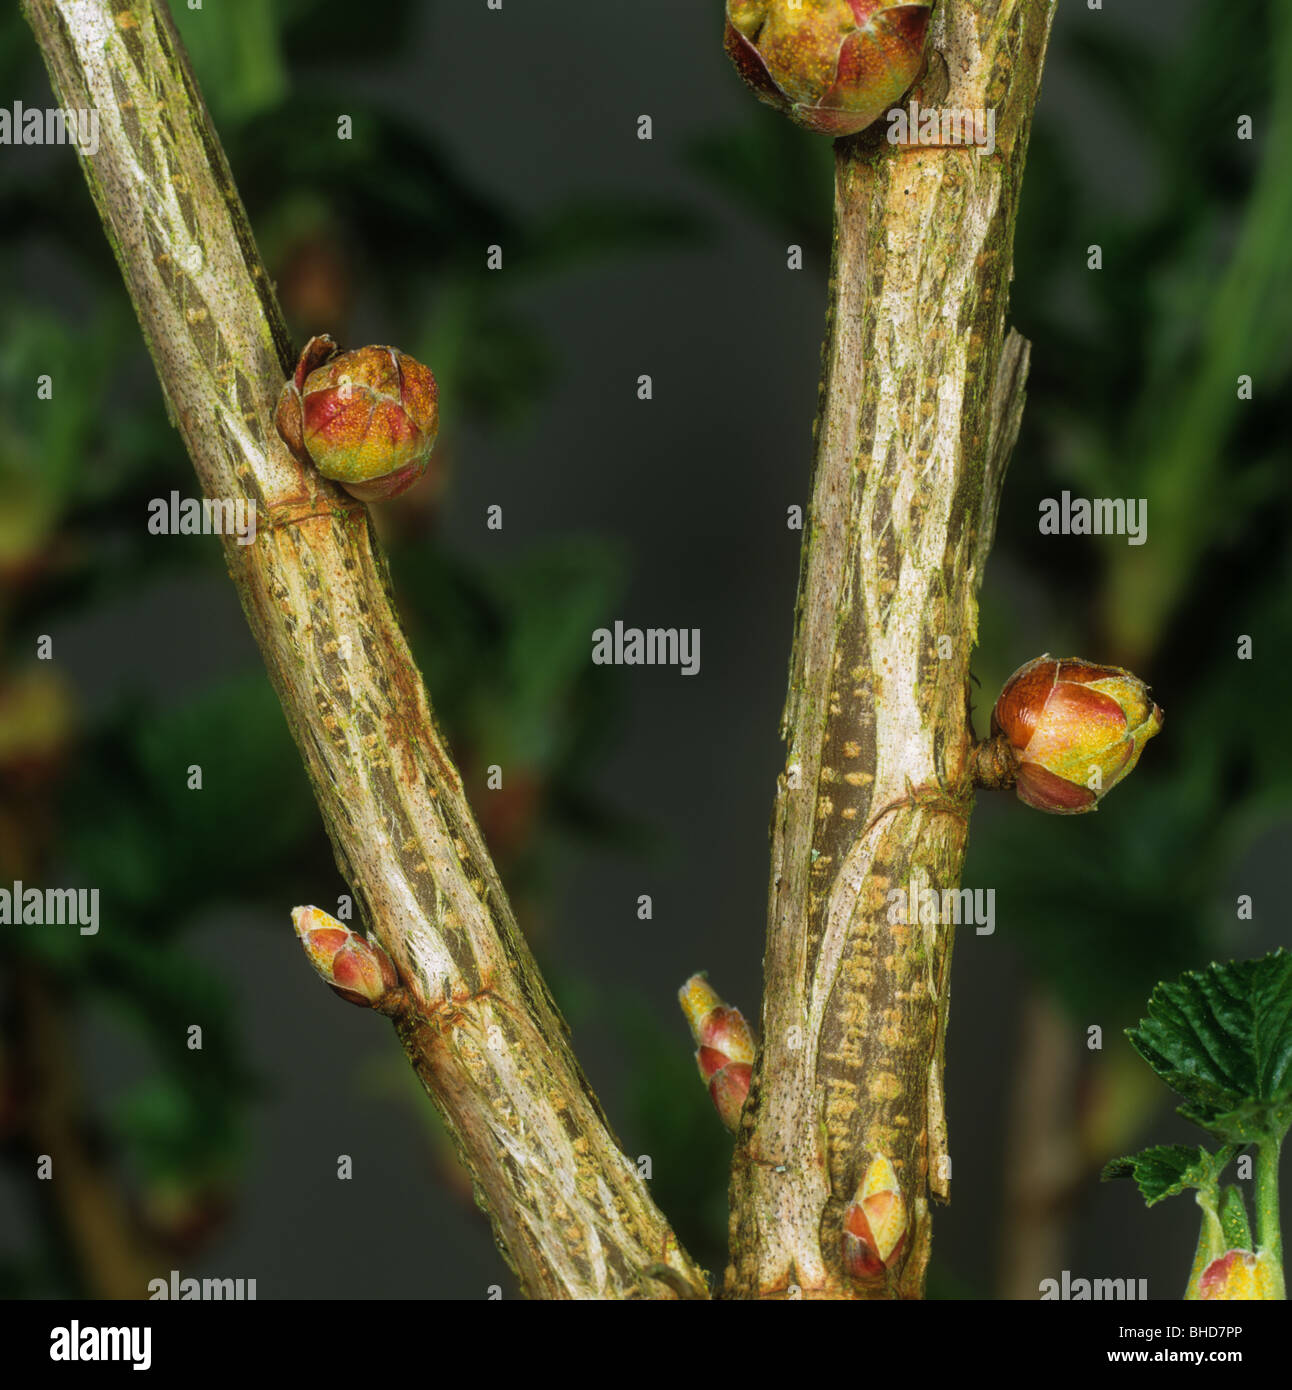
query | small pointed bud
[1239, 1275]
[725, 1055]
[366, 419]
[832, 66]
[356, 968]
[1075, 730]
[874, 1224]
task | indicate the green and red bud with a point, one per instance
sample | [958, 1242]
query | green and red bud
[874, 1224]
[832, 66]
[1073, 730]
[367, 419]
[1240, 1275]
[725, 1052]
[355, 967]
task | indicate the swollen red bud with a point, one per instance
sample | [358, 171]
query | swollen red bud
[356, 968]
[874, 1224]
[1074, 729]
[832, 66]
[1239, 1275]
[725, 1053]
[366, 419]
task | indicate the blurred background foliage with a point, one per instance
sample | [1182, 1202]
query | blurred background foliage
[1133, 393]
[381, 227]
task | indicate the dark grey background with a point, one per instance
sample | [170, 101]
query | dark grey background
[694, 486]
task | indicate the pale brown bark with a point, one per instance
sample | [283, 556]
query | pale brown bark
[571, 1214]
[921, 400]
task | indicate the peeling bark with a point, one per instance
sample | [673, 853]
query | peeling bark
[921, 399]
[922, 394]
[570, 1212]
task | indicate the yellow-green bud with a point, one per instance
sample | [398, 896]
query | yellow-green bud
[1075, 730]
[832, 66]
[366, 419]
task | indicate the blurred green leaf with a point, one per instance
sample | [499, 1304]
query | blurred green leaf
[329, 31]
[235, 50]
[584, 229]
[149, 842]
[174, 1134]
[506, 650]
[49, 425]
[1102, 905]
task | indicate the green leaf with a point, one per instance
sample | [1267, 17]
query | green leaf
[1222, 1039]
[1169, 1169]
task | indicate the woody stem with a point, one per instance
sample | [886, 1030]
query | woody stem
[921, 399]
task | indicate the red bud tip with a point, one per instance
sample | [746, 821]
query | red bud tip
[355, 967]
[726, 1047]
[1239, 1276]
[1074, 729]
[874, 1224]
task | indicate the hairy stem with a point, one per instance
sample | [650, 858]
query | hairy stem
[571, 1213]
[921, 401]
[1269, 1235]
